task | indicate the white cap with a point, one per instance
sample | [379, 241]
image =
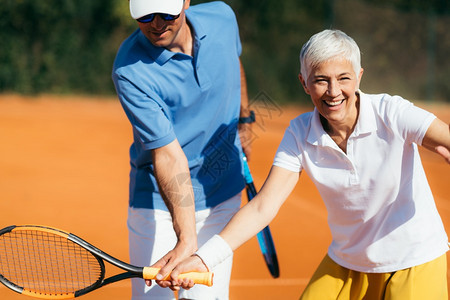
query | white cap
[140, 8]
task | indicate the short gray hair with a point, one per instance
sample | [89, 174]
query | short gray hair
[326, 45]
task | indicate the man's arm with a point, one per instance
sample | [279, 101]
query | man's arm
[174, 182]
[245, 130]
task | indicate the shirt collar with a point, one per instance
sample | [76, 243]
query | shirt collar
[162, 55]
[199, 31]
[366, 122]
[158, 54]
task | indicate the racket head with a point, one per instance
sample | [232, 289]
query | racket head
[42, 262]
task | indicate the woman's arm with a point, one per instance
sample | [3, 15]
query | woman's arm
[245, 224]
[259, 212]
[437, 139]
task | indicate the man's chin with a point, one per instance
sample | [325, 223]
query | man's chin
[160, 40]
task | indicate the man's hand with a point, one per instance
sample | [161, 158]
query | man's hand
[246, 136]
[169, 261]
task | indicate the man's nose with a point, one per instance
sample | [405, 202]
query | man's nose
[158, 22]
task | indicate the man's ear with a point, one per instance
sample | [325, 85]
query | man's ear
[186, 4]
[303, 82]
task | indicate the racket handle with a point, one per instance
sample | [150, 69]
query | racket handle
[205, 278]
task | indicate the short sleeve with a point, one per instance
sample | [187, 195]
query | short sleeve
[288, 155]
[151, 124]
[411, 122]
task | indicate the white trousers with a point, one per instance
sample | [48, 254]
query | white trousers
[151, 236]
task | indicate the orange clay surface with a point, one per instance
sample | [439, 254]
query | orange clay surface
[64, 163]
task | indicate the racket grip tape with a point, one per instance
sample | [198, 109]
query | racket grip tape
[205, 278]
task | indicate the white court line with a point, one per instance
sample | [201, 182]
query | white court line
[234, 282]
[269, 282]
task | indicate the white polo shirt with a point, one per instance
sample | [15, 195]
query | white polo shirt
[381, 211]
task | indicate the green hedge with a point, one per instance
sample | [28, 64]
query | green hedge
[68, 46]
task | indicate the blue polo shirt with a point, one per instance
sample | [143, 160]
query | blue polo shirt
[196, 100]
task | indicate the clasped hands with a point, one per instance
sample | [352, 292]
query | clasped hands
[171, 264]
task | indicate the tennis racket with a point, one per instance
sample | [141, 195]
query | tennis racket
[265, 240]
[49, 263]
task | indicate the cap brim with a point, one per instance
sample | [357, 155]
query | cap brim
[140, 8]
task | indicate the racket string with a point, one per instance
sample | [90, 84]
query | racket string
[44, 262]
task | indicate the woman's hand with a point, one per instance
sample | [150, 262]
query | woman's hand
[190, 264]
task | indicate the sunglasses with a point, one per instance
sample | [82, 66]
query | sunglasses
[150, 17]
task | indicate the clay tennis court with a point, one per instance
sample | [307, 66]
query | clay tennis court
[64, 163]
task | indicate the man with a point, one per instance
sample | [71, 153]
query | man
[182, 87]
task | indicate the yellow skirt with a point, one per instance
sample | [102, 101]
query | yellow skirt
[333, 282]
